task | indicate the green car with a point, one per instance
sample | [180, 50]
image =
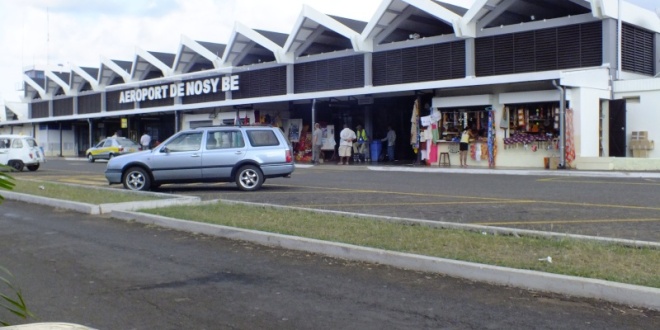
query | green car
[111, 147]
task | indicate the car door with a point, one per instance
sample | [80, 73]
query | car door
[5, 143]
[179, 159]
[33, 147]
[18, 152]
[104, 149]
[223, 149]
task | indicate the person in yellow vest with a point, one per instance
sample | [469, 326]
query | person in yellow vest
[361, 145]
[466, 138]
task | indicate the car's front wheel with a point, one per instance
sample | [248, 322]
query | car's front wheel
[90, 158]
[137, 179]
[33, 168]
[17, 165]
[249, 178]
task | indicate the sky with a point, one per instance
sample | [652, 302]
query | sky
[53, 32]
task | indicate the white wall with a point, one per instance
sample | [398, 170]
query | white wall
[49, 140]
[644, 116]
[643, 109]
[586, 106]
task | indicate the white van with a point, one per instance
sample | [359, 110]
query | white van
[20, 151]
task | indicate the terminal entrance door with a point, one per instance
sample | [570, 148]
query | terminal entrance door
[617, 128]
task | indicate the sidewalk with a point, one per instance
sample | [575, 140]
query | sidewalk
[406, 167]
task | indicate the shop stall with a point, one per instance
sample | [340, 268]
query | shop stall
[526, 134]
[532, 133]
[450, 124]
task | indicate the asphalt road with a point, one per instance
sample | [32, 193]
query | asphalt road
[111, 274]
[610, 207]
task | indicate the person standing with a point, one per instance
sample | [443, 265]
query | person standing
[391, 142]
[360, 146]
[463, 147]
[317, 143]
[346, 137]
[145, 141]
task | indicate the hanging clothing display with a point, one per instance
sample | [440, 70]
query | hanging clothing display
[433, 150]
[491, 139]
[570, 143]
[414, 127]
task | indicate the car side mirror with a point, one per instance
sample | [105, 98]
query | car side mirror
[165, 150]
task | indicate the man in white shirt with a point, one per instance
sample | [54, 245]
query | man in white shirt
[317, 143]
[145, 141]
[346, 138]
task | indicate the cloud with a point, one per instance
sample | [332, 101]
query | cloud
[116, 8]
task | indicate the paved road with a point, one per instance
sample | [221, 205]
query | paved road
[611, 207]
[110, 274]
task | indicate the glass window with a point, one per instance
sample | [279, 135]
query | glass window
[127, 142]
[185, 142]
[262, 138]
[31, 143]
[17, 144]
[226, 139]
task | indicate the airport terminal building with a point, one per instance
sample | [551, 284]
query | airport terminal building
[535, 80]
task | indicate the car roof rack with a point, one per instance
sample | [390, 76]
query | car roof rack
[225, 125]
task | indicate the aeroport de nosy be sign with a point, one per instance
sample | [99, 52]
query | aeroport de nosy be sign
[193, 87]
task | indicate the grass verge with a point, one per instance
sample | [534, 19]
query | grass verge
[569, 256]
[77, 193]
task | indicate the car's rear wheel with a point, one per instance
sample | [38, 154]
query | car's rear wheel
[137, 179]
[33, 168]
[17, 165]
[90, 158]
[249, 178]
[110, 156]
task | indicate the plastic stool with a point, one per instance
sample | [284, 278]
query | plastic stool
[444, 159]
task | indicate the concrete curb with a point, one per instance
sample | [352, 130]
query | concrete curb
[532, 280]
[57, 203]
[557, 173]
[133, 206]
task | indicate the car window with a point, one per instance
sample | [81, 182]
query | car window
[262, 138]
[225, 139]
[100, 144]
[127, 142]
[108, 143]
[17, 144]
[31, 143]
[5, 143]
[185, 142]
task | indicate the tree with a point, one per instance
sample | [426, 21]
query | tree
[13, 301]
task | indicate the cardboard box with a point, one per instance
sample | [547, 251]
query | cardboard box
[641, 135]
[640, 153]
[554, 163]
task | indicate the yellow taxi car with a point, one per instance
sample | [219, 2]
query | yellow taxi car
[111, 147]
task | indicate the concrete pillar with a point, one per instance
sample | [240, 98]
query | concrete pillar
[610, 45]
[290, 81]
[368, 70]
[470, 55]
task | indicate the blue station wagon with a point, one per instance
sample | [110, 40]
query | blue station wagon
[246, 155]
